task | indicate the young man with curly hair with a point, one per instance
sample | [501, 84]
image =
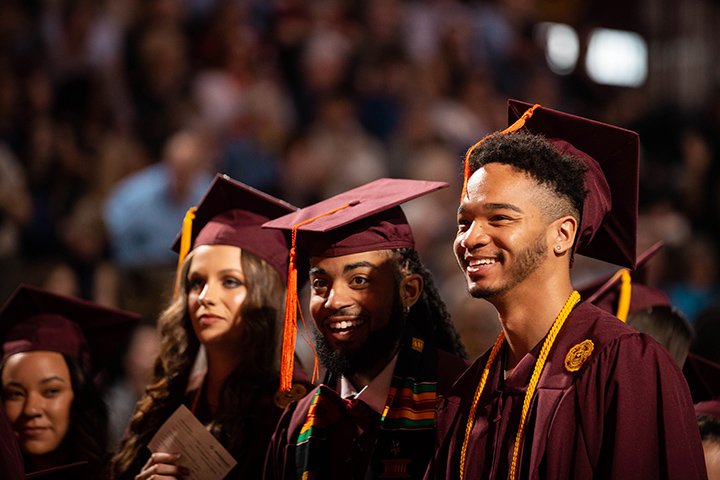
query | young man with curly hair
[568, 390]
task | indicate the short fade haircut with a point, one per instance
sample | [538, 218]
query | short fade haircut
[534, 155]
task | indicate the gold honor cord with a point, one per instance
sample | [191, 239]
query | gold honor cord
[532, 386]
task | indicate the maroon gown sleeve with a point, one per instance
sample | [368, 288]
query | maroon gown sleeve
[11, 462]
[636, 414]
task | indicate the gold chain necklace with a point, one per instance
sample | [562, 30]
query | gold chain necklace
[539, 365]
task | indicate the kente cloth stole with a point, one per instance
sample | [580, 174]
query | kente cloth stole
[405, 434]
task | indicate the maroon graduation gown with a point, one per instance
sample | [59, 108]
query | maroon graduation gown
[354, 455]
[626, 413]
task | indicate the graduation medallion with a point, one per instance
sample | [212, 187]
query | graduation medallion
[577, 355]
[283, 399]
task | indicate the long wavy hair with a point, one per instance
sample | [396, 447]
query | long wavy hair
[88, 434]
[429, 315]
[244, 392]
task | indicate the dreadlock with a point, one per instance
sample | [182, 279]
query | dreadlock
[430, 314]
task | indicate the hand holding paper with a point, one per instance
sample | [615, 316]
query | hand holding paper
[200, 453]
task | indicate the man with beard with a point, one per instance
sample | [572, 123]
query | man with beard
[568, 390]
[384, 336]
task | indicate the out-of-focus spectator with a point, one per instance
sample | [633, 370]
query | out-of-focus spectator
[142, 212]
[15, 211]
[697, 288]
[134, 375]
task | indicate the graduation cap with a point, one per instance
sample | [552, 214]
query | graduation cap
[710, 408]
[364, 219]
[34, 319]
[608, 225]
[626, 292]
[231, 213]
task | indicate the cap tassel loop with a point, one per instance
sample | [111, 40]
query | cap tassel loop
[185, 244]
[292, 305]
[519, 123]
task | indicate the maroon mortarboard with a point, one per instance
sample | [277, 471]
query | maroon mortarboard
[366, 218]
[34, 319]
[625, 292]
[703, 377]
[231, 213]
[608, 226]
[710, 408]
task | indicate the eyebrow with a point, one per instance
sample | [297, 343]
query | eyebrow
[50, 379]
[494, 206]
[317, 271]
[353, 266]
[346, 268]
[42, 382]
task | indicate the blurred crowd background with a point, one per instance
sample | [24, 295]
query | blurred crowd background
[115, 115]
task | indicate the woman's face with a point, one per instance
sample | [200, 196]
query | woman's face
[37, 395]
[216, 291]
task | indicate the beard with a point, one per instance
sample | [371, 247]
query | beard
[377, 348]
[528, 260]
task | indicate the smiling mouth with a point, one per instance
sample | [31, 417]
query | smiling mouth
[477, 262]
[478, 265]
[344, 326]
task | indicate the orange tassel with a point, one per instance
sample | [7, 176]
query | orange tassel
[185, 244]
[519, 123]
[292, 305]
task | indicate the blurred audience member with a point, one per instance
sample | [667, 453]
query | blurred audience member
[142, 212]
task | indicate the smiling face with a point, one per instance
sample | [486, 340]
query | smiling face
[216, 292]
[354, 300]
[38, 394]
[503, 234]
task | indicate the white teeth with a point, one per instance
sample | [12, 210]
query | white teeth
[344, 324]
[482, 261]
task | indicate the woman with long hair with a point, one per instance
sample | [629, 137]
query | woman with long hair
[229, 296]
[52, 348]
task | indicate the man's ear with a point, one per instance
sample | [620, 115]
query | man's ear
[411, 288]
[562, 232]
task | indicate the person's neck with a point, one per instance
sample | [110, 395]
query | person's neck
[59, 456]
[220, 365]
[362, 379]
[528, 311]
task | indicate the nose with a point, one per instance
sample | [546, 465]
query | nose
[207, 294]
[337, 299]
[33, 405]
[473, 237]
